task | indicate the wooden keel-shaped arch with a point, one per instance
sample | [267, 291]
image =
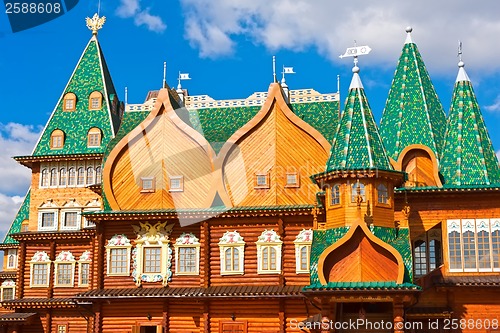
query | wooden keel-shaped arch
[160, 149]
[360, 256]
[275, 143]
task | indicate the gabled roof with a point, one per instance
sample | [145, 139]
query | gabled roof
[15, 227]
[357, 143]
[90, 74]
[413, 113]
[468, 156]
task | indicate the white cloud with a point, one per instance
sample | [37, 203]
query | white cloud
[132, 8]
[15, 139]
[498, 155]
[213, 25]
[9, 205]
[495, 107]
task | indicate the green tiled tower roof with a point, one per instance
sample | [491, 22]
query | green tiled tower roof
[22, 214]
[91, 74]
[413, 113]
[468, 156]
[357, 143]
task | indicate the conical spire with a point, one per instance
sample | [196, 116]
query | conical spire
[90, 75]
[468, 156]
[413, 113]
[357, 143]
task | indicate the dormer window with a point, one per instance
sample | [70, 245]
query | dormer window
[147, 184]
[176, 183]
[358, 189]
[57, 139]
[94, 137]
[292, 179]
[262, 180]
[335, 200]
[95, 100]
[69, 102]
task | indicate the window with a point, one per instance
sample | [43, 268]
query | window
[84, 269]
[473, 245]
[269, 253]
[303, 243]
[62, 177]
[262, 180]
[53, 177]
[47, 220]
[94, 137]
[62, 328]
[64, 269]
[70, 220]
[382, 194]
[44, 178]
[39, 273]
[427, 252]
[95, 100]
[292, 179]
[90, 176]
[231, 247]
[98, 175]
[335, 195]
[118, 255]
[80, 180]
[358, 189]
[57, 139]
[71, 177]
[152, 256]
[187, 254]
[176, 183]
[11, 258]
[8, 290]
[25, 226]
[69, 102]
[147, 184]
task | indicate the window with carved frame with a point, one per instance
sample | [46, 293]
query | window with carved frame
[303, 243]
[84, 269]
[232, 255]
[40, 269]
[187, 254]
[118, 251]
[269, 253]
[8, 290]
[64, 269]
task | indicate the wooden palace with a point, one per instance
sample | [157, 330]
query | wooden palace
[281, 212]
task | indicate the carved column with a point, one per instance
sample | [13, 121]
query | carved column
[398, 312]
[325, 313]
[206, 316]
[100, 256]
[205, 247]
[21, 270]
[282, 317]
[164, 321]
[52, 256]
[97, 318]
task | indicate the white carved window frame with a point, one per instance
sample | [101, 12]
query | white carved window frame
[48, 207]
[85, 258]
[303, 240]
[187, 240]
[10, 285]
[118, 242]
[64, 258]
[270, 240]
[11, 254]
[232, 240]
[40, 258]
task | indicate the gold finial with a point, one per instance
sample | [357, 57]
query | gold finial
[95, 23]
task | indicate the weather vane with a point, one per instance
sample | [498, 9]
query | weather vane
[355, 52]
[95, 23]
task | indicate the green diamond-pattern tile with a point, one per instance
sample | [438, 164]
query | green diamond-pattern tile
[22, 214]
[413, 113]
[357, 143]
[91, 74]
[468, 155]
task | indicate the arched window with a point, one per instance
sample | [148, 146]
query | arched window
[44, 178]
[335, 195]
[71, 177]
[57, 139]
[269, 253]
[303, 243]
[80, 179]
[231, 247]
[90, 175]
[358, 187]
[53, 177]
[69, 102]
[382, 194]
[94, 137]
[95, 100]
[62, 177]
[98, 175]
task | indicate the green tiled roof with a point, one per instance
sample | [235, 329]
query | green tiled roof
[468, 155]
[218, 124]
[385, 285]
[413, 113]
[397, 238]
[357, 143]
[22, 214]
[91, 74]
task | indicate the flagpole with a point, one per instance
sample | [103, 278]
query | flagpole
[274, 69]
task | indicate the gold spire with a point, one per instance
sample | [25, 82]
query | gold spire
[95, 23]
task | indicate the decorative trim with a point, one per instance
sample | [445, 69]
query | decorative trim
[64, 258]
[40, 258]
[268, 244]
[118, 242]
[303, 240]
[233, 242]
[186, 241]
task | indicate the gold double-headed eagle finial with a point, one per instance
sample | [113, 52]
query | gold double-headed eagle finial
[95, 23]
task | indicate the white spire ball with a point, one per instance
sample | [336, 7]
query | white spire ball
[409, 29]
[355, 69]
[461, 64]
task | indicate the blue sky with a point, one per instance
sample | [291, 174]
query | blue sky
[227, 47]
